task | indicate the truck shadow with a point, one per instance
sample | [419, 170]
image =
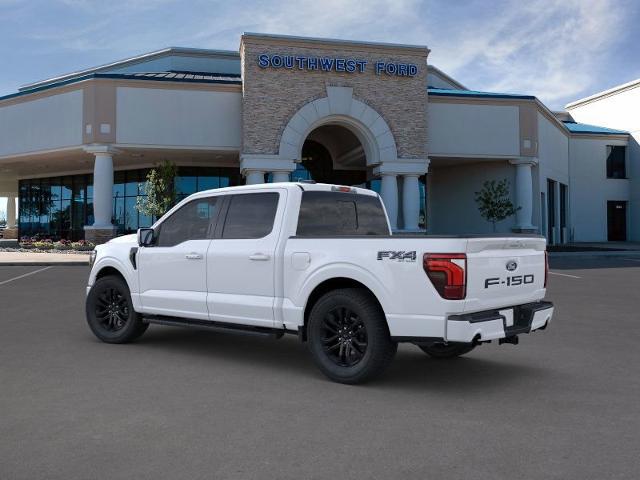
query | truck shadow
[287, 357]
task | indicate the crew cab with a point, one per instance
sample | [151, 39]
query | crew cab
[318, 261]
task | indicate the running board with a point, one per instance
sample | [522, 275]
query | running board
[217, 326]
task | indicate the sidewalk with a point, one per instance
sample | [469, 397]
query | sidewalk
[609, 249]
[38, 259]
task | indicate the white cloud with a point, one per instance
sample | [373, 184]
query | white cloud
[553, 49]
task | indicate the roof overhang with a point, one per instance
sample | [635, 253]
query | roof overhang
[145, 57]
[605, 93]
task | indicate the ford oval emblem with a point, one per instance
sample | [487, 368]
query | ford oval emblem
[512, 265]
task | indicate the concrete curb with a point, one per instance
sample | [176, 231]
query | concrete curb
[73, 263]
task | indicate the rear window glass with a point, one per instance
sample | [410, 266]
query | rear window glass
[340, 213]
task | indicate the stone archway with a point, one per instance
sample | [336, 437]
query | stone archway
[340, 108]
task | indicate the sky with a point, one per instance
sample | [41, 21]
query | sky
[558, 50]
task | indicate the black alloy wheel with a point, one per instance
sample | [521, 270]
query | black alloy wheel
[110, 313]
[344, 337]
[111, 309]
[348, 336]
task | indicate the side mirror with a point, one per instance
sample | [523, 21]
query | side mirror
[146, 237]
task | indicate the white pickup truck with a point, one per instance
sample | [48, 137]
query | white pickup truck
[318, 261]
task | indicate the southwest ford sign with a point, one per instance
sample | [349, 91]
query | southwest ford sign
[334, 64]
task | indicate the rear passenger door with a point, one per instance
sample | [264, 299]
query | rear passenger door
[241, 259]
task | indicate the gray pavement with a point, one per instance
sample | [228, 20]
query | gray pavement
[564, 404]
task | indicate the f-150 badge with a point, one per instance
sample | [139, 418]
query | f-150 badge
[398, 256]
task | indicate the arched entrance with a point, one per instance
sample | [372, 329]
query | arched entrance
[340, 139]
[333, 154]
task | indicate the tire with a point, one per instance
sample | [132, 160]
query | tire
[110, 313]
[446, 350]
[348, 336]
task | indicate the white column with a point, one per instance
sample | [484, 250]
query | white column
[253, 177]
[389, 194]
[11, 212]
[280, 176]
[524, 193]
[102, 187]
[410, 201]
[103, 190]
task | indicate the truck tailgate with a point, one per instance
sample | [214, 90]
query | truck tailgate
[504, 271]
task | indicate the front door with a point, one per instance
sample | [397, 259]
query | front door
[241, 262]
[617, 221]
[173, 273]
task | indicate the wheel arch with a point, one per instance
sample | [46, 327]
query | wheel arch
[111, 266]
[329, 285]
[110, 270]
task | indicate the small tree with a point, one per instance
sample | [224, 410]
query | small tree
[159, 190]
[494, 203]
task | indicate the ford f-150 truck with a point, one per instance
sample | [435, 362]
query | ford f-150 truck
[318, 261]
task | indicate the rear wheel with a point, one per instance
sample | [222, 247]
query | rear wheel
[446, 350]
[348, 336]
[110, 313]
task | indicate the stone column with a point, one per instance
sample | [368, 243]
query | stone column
[524, 193]
[389, 194]
[11, 232]
[409, 170]
[11, 212]
[253, 177]
[102, 229]
[280, 176]
[253, 167]
[410, 201]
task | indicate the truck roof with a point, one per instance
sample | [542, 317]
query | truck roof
[323, 187]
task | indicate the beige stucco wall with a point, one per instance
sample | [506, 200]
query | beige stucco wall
[272, 96]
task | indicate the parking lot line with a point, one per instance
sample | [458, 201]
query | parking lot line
[564, 275]
[632, 259]
[25, 275]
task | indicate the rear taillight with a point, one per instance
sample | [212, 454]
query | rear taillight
[546, 268]
[448, 273]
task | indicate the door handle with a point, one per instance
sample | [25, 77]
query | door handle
[260, 257]
[193, 256]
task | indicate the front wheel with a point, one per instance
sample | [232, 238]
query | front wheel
[348, 336]
[110, 313]
[446, 350]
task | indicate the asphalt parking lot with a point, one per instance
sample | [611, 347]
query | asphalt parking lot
[564, 404]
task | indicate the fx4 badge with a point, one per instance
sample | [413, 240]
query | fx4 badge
[398, 256]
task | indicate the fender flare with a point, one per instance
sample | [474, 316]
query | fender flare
[344, 270]
[126, 271]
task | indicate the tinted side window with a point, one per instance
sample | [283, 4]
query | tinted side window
[616, 163]
[190, 222]
[250, 215]
[338, 213]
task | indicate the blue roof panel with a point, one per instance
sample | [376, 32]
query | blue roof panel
[445, 92]
[575, 127]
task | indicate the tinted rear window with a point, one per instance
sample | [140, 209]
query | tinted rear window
[338, 213]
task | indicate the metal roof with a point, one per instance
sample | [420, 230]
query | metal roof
[575, 127]
[186, 77]
[131, 61]
[176, 75]
[445, 92]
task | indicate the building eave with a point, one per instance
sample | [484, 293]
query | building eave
[292, 39]
[116, 76]
[603, 94]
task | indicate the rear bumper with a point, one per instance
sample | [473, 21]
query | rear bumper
[495, 324]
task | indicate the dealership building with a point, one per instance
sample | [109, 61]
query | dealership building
[75, 150]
